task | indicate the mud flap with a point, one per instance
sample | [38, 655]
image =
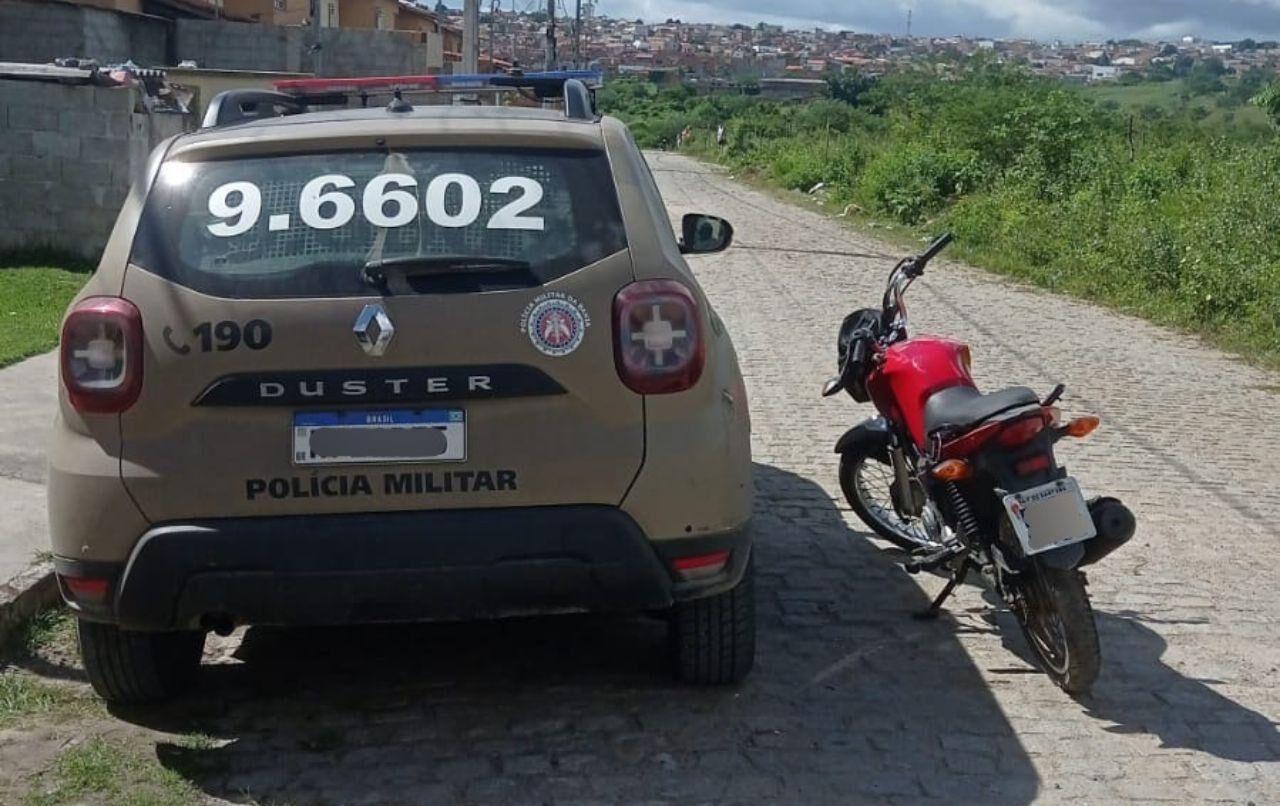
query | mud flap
[872, 437]
[1065, 558]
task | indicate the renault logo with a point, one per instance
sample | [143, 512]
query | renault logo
[374, 329]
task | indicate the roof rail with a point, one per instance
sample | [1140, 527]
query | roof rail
[237, 106]
[295, 96]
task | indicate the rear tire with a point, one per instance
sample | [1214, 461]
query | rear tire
[1060, 628]
[713, 640]
[136, 668]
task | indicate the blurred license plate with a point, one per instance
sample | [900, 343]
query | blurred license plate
[1050, 516]
[374, 437]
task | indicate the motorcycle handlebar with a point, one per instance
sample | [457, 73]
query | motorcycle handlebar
[902, 276]
[935, 249]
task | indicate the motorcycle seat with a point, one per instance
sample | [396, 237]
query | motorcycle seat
[961, 407]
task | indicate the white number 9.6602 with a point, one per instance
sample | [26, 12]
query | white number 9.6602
[388, 200]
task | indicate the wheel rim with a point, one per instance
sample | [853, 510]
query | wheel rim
[872, 482]
[1044, 627]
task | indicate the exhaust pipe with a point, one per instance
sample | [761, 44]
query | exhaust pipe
[1115, 524]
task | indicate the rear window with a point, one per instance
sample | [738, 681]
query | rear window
[307, 224]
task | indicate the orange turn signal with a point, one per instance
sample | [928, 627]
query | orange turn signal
[1082, 426]
[953, 470]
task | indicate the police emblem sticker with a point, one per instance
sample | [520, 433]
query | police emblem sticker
[555, 323]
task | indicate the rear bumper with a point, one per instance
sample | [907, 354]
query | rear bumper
[400, 566]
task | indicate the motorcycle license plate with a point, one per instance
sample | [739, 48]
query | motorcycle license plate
[1050, 516]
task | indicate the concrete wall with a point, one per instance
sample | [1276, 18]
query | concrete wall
[68, 155]
[224, 45]
[42, 31]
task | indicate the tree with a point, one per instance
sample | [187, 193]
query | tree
[1269, 101]
[849, 86]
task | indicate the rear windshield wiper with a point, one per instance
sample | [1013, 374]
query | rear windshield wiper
[376, 272]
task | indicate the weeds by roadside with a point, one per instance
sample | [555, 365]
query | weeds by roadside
[1154, 214]
[114, 773]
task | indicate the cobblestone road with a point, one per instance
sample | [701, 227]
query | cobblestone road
[851, 701]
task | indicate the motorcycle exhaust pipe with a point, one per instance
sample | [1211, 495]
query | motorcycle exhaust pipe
[1115, 524]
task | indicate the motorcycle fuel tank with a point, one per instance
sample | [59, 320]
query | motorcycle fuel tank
[912, 372]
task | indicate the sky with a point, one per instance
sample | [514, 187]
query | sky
[1073, 20]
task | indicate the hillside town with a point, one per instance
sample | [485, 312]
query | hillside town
[771, 51]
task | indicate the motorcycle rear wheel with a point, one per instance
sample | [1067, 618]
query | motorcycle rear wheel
[1057, 621]
[865, 482]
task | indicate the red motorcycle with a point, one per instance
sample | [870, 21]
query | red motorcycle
[963, 480]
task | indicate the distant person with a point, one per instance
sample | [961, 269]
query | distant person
[720, 135]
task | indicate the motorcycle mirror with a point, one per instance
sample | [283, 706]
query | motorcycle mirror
[832, 386]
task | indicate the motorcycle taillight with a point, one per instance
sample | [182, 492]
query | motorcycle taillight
[658, 345]
[101, 353]
[1020, 432]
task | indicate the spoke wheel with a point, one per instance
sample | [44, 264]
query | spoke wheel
[867, 485]
[1057, 621]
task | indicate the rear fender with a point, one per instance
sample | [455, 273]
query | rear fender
[1065, 558]
[872, 437]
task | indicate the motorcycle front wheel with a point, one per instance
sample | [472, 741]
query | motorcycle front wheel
[1057, 621]
[866, 484]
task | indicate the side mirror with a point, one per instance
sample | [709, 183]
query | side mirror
[702, 234]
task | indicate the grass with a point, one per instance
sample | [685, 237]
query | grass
[111, 772]
[32, 301]
[1168, 96]
[53, 626]
[23, 696]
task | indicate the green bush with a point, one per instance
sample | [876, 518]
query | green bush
[1165, 210]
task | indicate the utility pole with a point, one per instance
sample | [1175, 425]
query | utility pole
[908, 23]
[493, 13]
[577, 34]
[471, 37]
[551, 34]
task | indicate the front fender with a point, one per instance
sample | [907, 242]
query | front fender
[872, 437]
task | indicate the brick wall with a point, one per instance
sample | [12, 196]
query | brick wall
[68, 155]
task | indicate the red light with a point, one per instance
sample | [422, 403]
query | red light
[101, 355]
[701, 565]
[658, 344]
[1020, 432]
[970, 442]
[700, 561]
[87, 589]
[1033, 465]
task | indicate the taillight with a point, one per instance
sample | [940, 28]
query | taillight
[102, 355]
[1035, 464]
[1020, 432]
[970, 442]
[701, 566]
[658, 344]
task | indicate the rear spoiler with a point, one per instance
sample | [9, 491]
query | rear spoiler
[295, 96]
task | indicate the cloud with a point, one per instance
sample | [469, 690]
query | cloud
[1040, 19]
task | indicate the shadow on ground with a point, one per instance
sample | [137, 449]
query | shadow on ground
[850, 699]
[1139, 694]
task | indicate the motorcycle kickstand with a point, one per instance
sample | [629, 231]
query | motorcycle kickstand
[936, 608]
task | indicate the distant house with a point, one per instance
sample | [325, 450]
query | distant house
[1099, 73]
[792, 88]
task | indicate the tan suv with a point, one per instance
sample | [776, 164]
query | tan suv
[394, 364]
